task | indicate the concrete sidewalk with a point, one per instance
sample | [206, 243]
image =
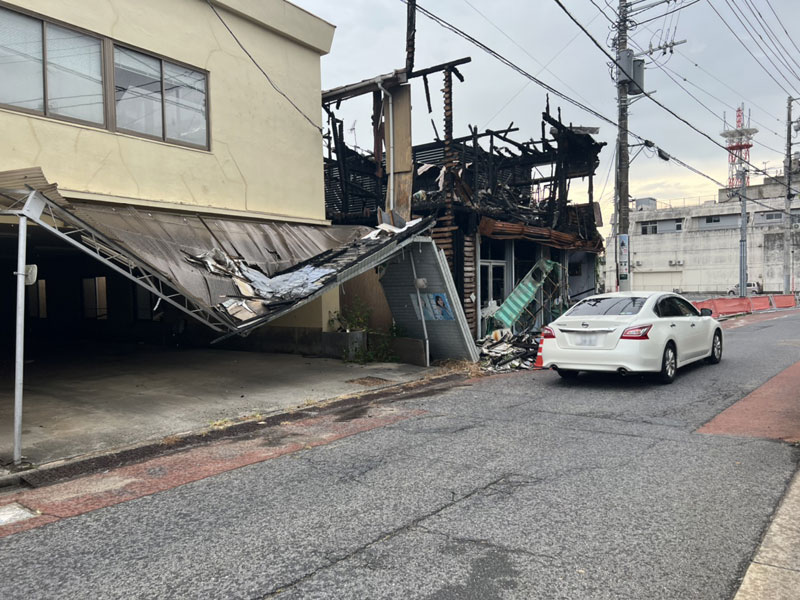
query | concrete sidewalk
[774, 573]
[108, 397]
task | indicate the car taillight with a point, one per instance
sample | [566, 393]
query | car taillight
[636, 333]
[548, 334]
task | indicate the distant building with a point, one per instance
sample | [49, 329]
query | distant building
[695, 249]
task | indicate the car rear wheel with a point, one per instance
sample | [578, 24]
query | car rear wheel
[567, 373]
[716, 349]
[669, 364]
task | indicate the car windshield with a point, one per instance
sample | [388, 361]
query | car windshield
[608, 306]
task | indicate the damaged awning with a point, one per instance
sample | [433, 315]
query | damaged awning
[232, 275]
[502, 230]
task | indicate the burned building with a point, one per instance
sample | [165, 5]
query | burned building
[502, 206]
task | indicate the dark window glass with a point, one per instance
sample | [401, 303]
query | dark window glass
[492, 249]
[649, 227]
[185, 104]
[74, 75]
[484, 285]
[21, 49]
[607, 306]
[137, 88]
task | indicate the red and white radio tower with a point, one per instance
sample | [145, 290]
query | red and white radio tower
[740, 140]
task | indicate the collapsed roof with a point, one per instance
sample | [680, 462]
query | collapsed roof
[231, 274]
[494, 176]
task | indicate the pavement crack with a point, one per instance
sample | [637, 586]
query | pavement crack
[414, 523]
[489, 545]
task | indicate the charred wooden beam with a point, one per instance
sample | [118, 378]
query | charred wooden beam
[411, 31]
[440, 67]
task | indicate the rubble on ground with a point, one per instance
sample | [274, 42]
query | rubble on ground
[503, 350]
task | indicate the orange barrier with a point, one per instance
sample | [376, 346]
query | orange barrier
[784, 301]
[760, 303]
[707, 304]
[732, 306]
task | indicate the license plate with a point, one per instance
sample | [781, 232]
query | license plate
[584, 339]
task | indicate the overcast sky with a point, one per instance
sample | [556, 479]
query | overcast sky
[539, 37]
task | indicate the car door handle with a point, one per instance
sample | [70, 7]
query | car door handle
[673, 325]
[694, 324]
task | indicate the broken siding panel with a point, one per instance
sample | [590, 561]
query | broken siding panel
[447, 339]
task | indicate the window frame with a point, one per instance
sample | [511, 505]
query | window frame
[107, 45]
[649, 227]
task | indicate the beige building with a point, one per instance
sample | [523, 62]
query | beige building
[694, 249]
[165, 106]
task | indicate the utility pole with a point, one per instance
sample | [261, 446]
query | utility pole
[742, 174]
[623, 159]
[630, 81]
[787, 218]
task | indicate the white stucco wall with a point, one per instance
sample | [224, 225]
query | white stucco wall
[265, 159]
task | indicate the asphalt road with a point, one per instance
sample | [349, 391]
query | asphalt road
[523, 486]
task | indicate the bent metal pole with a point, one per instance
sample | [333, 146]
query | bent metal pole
[20, 337]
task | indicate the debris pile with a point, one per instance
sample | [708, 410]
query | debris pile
[503, 350]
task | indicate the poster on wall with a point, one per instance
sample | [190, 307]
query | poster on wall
[623, 256]
[435, 307]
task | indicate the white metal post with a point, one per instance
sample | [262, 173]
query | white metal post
[19, 357]
[421, 311]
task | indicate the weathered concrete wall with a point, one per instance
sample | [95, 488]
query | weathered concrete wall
[265, 158]
[704, 257]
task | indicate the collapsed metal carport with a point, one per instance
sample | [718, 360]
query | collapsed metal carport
[231, 275]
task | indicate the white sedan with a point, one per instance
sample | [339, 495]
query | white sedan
[631, 332]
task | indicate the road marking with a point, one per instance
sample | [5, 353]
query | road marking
[13, 513]
[771, 411]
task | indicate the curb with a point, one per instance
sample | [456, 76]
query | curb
[69, 468]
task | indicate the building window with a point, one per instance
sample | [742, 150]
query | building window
[678, 224]
[185, 105]
[95, 305]
[68, 83]
[74, 75]
[773, 216]
[137, 92]
[52, 70]
[649, 227]
[712, 219]
[158, 98]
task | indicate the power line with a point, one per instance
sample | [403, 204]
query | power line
[450, 27]
[263, 72]
[780, 85]
[782, 51]
[543, 66]
[665, 69]
[667, 72]
[655, 101]
[768, 52]
[674, 10]
[531, 56]
[780, 22]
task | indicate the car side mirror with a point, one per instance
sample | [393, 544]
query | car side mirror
[705, 312]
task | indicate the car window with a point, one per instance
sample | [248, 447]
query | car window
[668, 308]
[608, 306]
[685, 307]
